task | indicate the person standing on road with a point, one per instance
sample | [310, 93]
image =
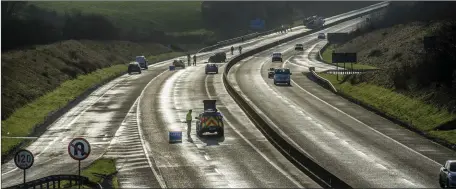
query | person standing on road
[188, 59]
[189, 122]
[240, 50]
[232, 49]
[194, 60]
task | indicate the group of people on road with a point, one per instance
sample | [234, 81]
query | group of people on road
[194, 59]
[232, 50]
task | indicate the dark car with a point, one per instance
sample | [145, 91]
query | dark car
[447, 175]
[134, 67]
[142, 60]
[277, 57]
[211, 68]
[218, 57]
[299, 47]
[271, 73]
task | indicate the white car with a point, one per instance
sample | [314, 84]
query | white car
[321, 36]
[277, 57]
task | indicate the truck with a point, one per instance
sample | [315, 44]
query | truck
[210, 120]
[314, 22]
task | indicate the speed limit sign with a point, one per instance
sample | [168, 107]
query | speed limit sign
[24, 159]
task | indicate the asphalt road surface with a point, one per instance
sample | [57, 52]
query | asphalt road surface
[129, 117]
[108, 119]
[358, 146]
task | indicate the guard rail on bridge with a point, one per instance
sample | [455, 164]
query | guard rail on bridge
[55, 181]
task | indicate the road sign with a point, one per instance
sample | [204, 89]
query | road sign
[24, 159]
[343, 57]
[337, 38]
[79, 149]
[257, 24]
[175, 136]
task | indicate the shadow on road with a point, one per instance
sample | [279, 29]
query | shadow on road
[212, 140]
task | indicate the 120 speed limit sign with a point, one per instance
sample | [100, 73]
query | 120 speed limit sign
[24, 159]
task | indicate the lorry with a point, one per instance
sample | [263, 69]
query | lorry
[210, 120]
[314, 22]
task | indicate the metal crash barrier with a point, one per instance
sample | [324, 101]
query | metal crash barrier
[57, 181]
[320, 175]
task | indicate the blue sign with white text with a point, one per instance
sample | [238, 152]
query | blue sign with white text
[257, 24]
[175, 136]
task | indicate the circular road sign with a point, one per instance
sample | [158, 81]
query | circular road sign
[79, 149]
[24, 159]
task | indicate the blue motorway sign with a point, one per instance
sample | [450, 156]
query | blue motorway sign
[257, 24]
[175, 136]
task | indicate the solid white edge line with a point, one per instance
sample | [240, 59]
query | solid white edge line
[251, 145]
[159, 177]
[378, 132]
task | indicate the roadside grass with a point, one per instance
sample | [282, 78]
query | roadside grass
[421, 115]
[168, 16]
[104, 166]
[23, 121]
[327, 56]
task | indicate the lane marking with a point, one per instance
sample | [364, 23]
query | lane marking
[251, 145]
[159, 177]
[378, 132]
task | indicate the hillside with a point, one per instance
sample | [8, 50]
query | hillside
[173, 16]
[415, 85]
[31, 73]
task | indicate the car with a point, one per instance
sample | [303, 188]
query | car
[211, 68]
[277, 57]
[134, 67]
[218, 57]
[282, 75]
[210, 120]
[321, 36]
[447, 176]
[179, 63]
[142, 60]
[299, 47]
[271, 73]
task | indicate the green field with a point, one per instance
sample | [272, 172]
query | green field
[327, 56]
[423, 116]
[168, 16]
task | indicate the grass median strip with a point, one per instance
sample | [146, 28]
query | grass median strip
[327, 56]
[23, 121]
[421, 115]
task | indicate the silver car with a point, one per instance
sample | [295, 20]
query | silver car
[447, 176]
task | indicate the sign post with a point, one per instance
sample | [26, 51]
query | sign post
[24, 159]
[79, 149]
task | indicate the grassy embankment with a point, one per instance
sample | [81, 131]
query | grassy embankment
[102, 166]
[381, 48]
[42, 79]
[24, 119]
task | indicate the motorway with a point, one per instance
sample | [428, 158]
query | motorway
[358, 146]
[109, 119]
[129, 118]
